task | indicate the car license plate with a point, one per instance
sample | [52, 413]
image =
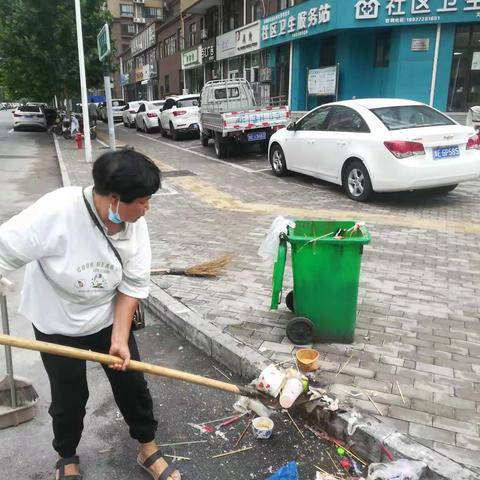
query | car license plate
[28, 116]
[446, 152]
[252, 137]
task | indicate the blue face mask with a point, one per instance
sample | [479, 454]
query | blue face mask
[114, 217]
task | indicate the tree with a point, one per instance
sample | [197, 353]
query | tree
[38, 47]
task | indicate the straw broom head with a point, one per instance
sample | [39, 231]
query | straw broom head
[212, 268]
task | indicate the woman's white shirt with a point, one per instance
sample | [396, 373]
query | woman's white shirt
[72, 275]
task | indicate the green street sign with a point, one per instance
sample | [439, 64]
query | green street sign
[103, 42]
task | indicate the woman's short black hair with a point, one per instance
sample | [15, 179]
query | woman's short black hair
[127, 173]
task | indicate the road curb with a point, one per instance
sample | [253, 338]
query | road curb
[247, 362]
[63, 169]
[242, 359]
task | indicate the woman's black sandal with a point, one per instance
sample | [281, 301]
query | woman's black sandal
[60, 466]
[151, 460]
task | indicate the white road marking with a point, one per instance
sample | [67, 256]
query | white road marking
[102, 143]
[166, 189]
[10, 131]
[239, 167]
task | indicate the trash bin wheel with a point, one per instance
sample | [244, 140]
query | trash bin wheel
[300, 331]
[289, 300]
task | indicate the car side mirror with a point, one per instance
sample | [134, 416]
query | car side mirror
[292, 126]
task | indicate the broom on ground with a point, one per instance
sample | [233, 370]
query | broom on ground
[210, 269]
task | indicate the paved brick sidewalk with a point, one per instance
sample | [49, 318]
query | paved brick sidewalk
[418, 313]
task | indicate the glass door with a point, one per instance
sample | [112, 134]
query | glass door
[464, 89]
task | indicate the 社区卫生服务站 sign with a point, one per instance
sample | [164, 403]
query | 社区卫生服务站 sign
[316, 16]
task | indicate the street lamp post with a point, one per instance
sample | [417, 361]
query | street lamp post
[83, 84]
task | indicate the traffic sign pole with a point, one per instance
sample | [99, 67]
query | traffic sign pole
[108, 98]
[103, 43]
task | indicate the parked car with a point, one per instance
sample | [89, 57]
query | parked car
[29, 117]
[230, 115]
[378, 145]
[117, 107]
[179, 115]
[147, 118]
[130, 112]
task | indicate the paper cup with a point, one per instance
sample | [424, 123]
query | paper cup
[271, 380]
[262, 427]
[291, 391]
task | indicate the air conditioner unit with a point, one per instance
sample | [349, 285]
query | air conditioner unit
[138, 20]
[203, 34]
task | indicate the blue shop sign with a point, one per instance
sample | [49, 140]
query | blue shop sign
[314, 16]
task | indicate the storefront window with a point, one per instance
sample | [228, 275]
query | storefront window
[328, 52]
[464, 89]
[282, 74]
[382, 49]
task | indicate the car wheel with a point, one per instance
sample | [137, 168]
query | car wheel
[204, 140]
[277, 161]
[222, 149]
[264, 147]
[444, 190]
[173, 132]
[356, 182]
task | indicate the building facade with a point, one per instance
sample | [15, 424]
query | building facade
[129, 18]
[306, 53]
[425, 50]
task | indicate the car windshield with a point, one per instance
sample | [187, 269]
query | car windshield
[157, 105]
[29, 108]
[118, 103]
[410, 116]
[187, 102]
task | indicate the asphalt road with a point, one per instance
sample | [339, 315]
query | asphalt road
[28, 170]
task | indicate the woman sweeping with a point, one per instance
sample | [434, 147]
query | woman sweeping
[88, 261]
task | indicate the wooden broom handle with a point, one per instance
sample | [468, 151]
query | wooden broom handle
[81, 354]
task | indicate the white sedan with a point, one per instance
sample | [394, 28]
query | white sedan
[130, 112]
[147, 115]
[29, 116]
[378, 145]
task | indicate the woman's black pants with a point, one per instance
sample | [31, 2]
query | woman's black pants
[69, 391]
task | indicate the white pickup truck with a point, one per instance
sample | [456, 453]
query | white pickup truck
[230, 115]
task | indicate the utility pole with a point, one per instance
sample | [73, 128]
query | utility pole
[83, 84]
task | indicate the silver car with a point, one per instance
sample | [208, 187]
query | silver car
[29, 117]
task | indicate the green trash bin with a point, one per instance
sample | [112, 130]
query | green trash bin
[326, 273]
